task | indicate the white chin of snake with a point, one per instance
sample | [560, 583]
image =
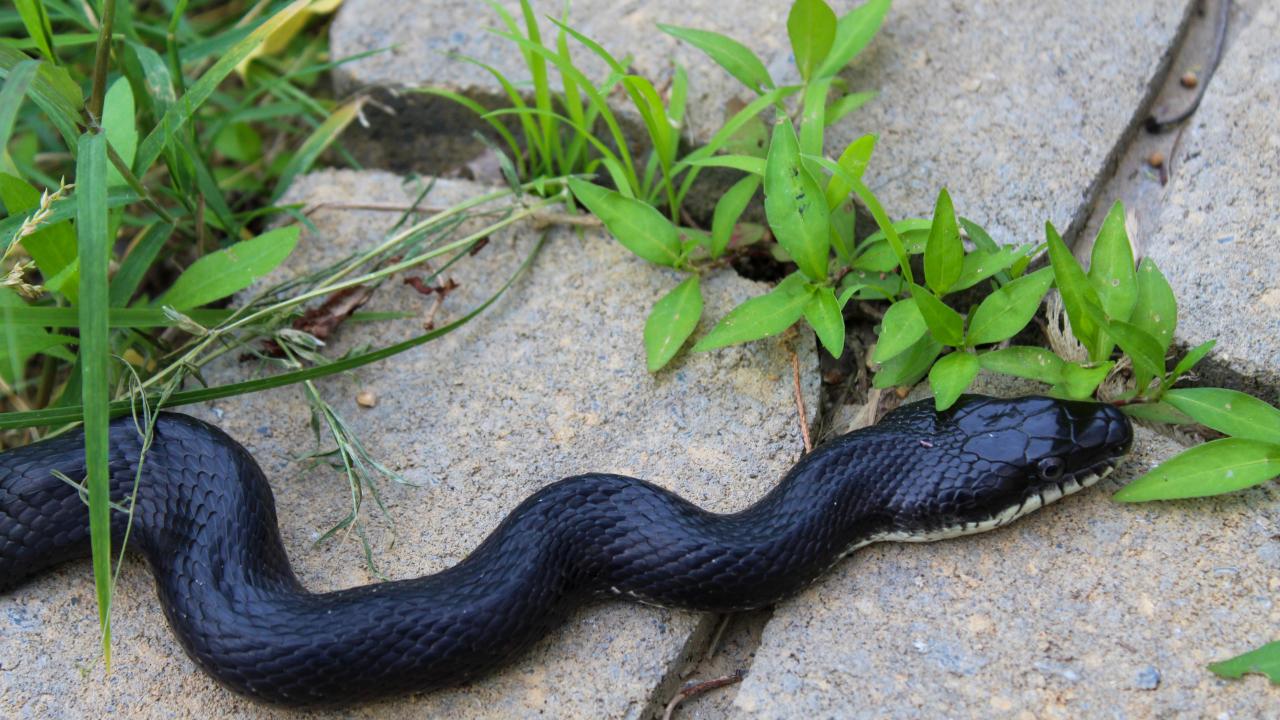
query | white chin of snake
[1036, 501]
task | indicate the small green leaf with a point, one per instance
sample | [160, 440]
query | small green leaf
[1077, 294]
[823, 314]
[672, 322]
[1190, 360]
[640, 228]
[230, 270]
[982, 264]
[811, 25]
[118, 121]
[1156, 309]
[1024, 361]
[1144, 350]
[1079, 382]
[902, 327]
[1111, 267]
[847, 104]
[1216, 467]
[944, 253]
[1229, 411]
[1263, 661]
[1007, 310]
[951, 376]
[762, 316]
[907, 367]
[795, 206]
[854, 161]
[946, 324]
[728, 209]
[726, 52]
[854, 31]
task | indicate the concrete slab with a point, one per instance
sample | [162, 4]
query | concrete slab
[1215, 234]
[1089, 608]
[1017, 107]
[550, 382]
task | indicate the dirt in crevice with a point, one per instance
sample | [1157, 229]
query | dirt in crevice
[726, 651]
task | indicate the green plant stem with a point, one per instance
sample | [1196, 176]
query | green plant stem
[101, 60]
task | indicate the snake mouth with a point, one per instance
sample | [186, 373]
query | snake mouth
[1042, 495]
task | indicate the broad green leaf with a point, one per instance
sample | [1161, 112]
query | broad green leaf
[1190, 360]
[1004, 313]
[982, 264]
[944, 253]
[795, 205]
[951, 376]
[811, 25]
[902, 327]
[853, 161]
[1144, 350]
[1079, 381]
[762, 316]
[823, 314]
[728, 209]
[1160, 411]
[1216, 467]
[1077, 294]
[907, 367]
[224, 272]
[843, 221]
[1263, 661]
[53, 246]
[672, 322]
[1156, 309]
[119, 122]
[726, 52]
[1023, 361]
[94, 240]
[913, 232]
[854, 31]
[946, 324]
[874, 285]
[636, 224]
[812, 119]
[1229, 411]
[1111, 267]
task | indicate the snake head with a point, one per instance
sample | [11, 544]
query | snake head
[997, 460]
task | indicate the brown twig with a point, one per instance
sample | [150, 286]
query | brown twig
[804, 417]
[698, 689]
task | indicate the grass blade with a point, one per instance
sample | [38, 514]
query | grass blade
[15, 89]
[321, 138]
[95, 355]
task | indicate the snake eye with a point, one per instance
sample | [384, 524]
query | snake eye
[1051, 468]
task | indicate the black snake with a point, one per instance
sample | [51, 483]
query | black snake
[205, 520]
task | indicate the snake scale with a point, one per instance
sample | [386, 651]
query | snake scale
[205, 520]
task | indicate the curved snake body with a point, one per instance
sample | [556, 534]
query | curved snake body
[205, 520]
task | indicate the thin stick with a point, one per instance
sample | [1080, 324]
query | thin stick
[804, 416]
[700, 688]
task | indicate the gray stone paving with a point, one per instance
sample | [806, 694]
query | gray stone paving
[1216, 234]
[550, 382]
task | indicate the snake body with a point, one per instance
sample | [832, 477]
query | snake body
[205, 520]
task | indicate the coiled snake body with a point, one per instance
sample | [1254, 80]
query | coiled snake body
[205, 520]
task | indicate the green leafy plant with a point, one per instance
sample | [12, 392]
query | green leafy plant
[805, 194]
[181, 127]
